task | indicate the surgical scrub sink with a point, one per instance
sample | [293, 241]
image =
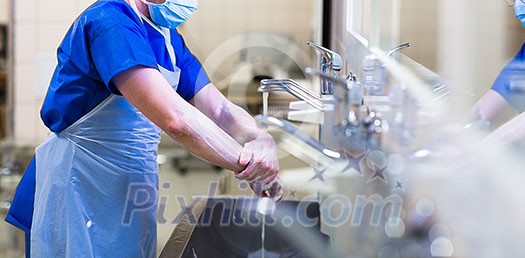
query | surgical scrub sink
[232, 227]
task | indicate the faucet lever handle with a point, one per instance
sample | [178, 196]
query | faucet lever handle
[336, 80]
[332, 58]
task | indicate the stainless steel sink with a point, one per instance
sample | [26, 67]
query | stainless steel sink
[233, 227]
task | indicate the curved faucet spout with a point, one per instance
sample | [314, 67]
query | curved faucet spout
[294, 89]
[398, 48]
[293, 84]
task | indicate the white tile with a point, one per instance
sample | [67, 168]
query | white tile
[24, 121]
[25, 79]
[40, 130]
[25, 11]
[4, 11]
[45, 67]
[57, 10]
[50, 34]
[81, 5]
[25, 41]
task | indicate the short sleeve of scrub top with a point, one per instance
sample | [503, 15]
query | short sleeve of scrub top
[105, 40]
[193, 77]
[510, 83]
[116, 48]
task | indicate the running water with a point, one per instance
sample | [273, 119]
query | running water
[265, 206]
[263, 233]
[265, 95]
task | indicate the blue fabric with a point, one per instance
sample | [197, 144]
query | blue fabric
[106, 40]
[21, 212]
[28, 245]
[510, 83]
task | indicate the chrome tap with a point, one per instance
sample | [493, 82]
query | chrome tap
[355, 126]
[292, 87]
[351, 95]
[331, 63]
[398, 48]
[374, 77]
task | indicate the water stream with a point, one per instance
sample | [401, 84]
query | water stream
[265, 104]
[263, 233]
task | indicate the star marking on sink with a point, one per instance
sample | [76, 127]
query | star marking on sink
[378, 173]
[319, 172]
[353, 162]
[400, 185]
[293, 193]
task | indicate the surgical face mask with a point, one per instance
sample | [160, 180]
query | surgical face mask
[519, 11]
[171, 13]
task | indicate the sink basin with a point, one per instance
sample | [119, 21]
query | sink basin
[232, 227]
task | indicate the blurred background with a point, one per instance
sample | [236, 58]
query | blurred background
[465, 43]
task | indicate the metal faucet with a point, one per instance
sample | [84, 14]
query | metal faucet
[345, 84]
[292, 87]
[374, 75]
[266, 121]
[351, 94]
[398, 48]
[356, 128]
[331, 63]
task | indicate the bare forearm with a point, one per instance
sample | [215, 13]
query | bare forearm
[489, 106]
[206, 140]
[511, 131]
[231, 118]
[239, 124]
[150, 93]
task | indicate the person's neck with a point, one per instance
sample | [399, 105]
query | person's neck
[143, 8]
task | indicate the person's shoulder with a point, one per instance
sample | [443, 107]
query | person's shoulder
[106, 14]
[107, 9]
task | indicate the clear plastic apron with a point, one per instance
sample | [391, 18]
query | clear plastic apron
[97, 183]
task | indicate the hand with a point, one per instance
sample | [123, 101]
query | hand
[260, 158]
[274, 190]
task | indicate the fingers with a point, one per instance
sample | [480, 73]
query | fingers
[262, 167]
[249, 173]
[259, 170]
[274, 190]
[246, 156]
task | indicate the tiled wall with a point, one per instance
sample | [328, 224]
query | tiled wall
[226, 22]
[217, 21]
[4, 11]
[472, 48]
[39, 26]
[419, 26]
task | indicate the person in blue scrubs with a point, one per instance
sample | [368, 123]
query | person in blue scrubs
[509, 86]
[507, 90]
[124, 74]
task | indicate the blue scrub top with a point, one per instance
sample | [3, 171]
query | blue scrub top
[106, 40]
[510, 83]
